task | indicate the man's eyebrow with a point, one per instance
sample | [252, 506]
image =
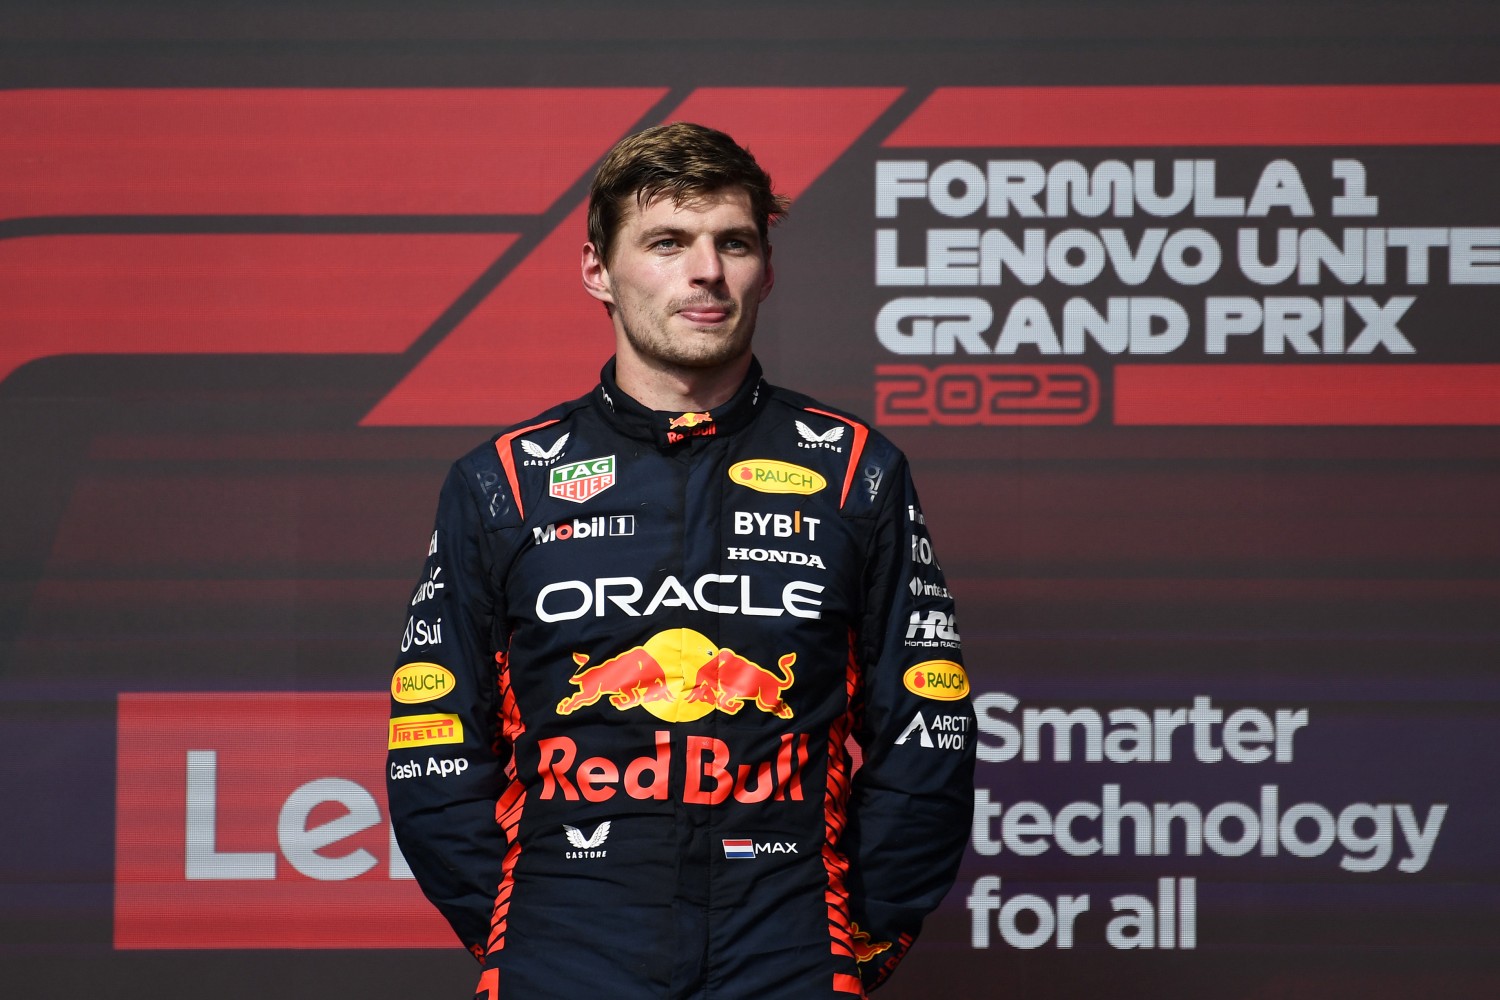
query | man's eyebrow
[662, 229]
[742, 232]
[667, 229]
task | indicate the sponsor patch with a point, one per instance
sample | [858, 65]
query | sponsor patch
[415, 683]
[590, 846]
[427, 589]
[945, 732]
[921, 588]
[420, 632]
[598, 526]
[443, 767]
[940, 680]
[424, 730]
[581, 481]
[544, 456]
[933, 629]
[828, 439]
[769, 476]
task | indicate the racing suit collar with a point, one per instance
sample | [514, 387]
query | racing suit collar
[666, 428]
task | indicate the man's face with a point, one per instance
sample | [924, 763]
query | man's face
[685, 280]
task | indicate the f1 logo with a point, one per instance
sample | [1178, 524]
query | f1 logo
[429, 223]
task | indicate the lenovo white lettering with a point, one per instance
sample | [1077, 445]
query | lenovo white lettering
[307, 848]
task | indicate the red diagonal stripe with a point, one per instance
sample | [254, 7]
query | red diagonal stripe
[1428, 115]
[241, 294]
[1290, 395]
[303, 151]
[539, 339]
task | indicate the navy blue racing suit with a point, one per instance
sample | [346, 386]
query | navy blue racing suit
[680, 709]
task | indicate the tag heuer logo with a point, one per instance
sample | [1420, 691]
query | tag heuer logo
[578, 481]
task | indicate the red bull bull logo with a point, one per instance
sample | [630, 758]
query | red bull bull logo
[680, 675]
[632, 678]
[690, 425]
[864, 948]
[729, 681]
[689, 421]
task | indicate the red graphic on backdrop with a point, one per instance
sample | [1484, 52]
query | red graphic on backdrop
[1306, 395]
[985, 395]
[546, 339]
[275, 802]
[230, 293]
[1431, 115]
[304, 152]
[518, 152]
[277, 151]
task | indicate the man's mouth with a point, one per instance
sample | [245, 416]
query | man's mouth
[705, 313]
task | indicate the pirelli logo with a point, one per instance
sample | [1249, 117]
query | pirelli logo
[425, 730]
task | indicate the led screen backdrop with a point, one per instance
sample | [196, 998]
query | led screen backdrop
[1184, 313]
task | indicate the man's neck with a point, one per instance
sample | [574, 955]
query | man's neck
[679, 389]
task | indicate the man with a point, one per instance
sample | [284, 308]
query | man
[649, 623]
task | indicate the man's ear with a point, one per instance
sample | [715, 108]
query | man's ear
[596, 275]
[765, 288]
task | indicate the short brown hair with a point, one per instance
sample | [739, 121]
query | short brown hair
[679, 160]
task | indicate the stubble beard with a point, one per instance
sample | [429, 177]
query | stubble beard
[654, 343]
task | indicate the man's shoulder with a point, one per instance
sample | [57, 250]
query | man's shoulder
[489, 469]
[863, 462]
[517, 435]
[874, 446]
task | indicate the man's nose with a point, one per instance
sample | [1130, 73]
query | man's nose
[704, 264]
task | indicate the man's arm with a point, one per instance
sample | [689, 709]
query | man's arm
[912, 799]
[447, 759]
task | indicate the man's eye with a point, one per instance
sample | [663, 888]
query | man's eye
[665, 243]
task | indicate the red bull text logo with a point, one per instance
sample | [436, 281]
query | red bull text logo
[688, 425]
[712, 775]
[680, 675]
